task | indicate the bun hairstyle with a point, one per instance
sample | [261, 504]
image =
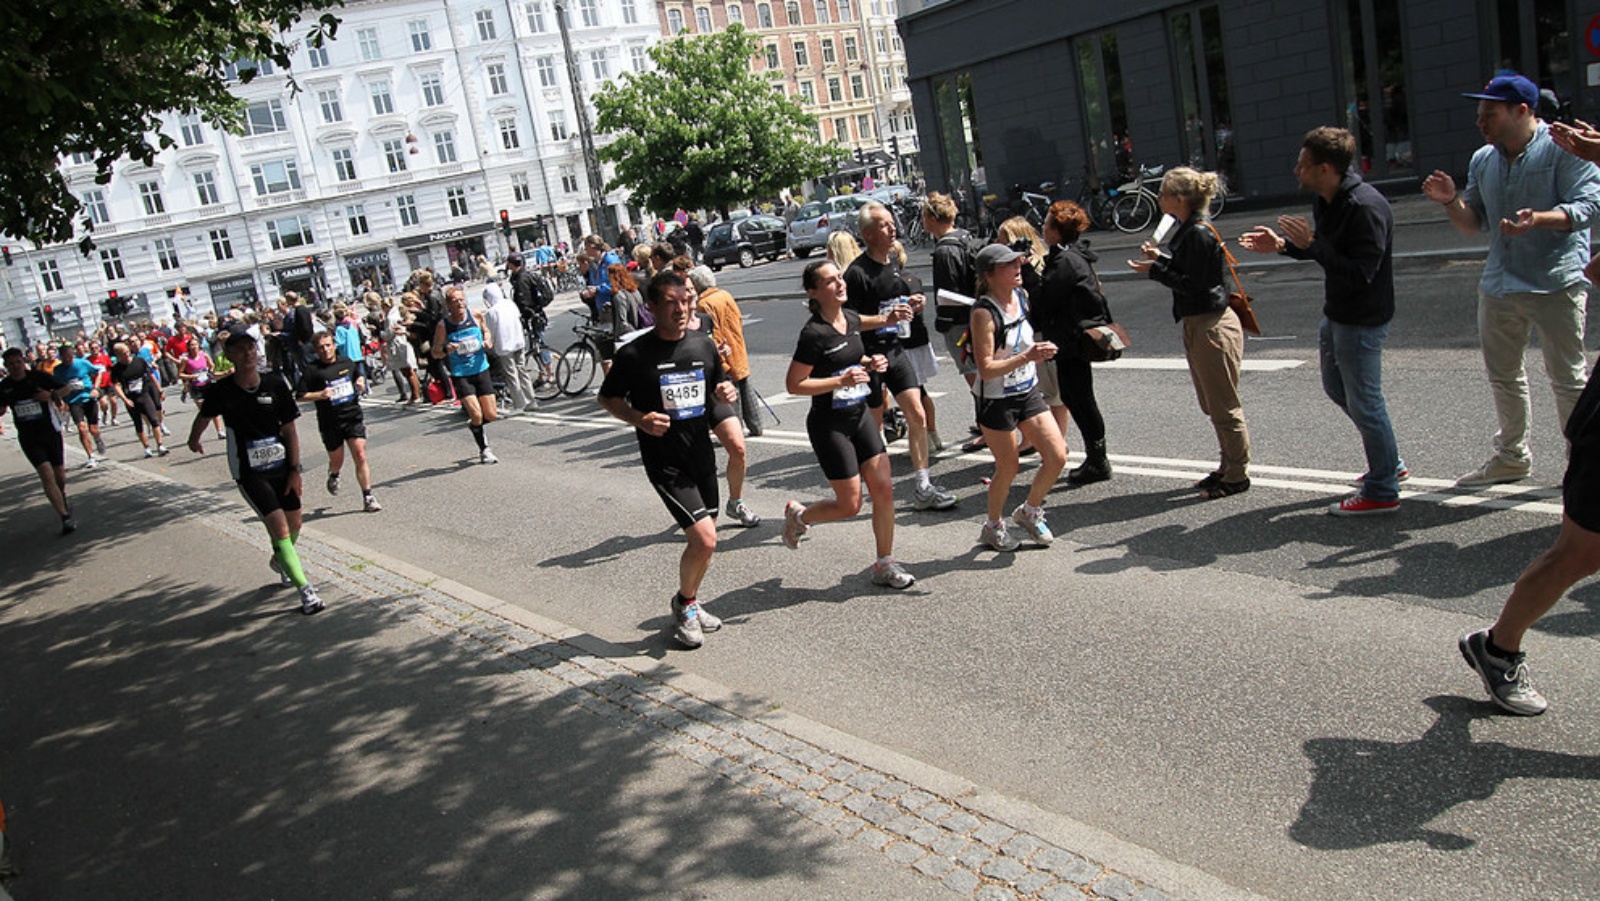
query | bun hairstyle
[1193, 187]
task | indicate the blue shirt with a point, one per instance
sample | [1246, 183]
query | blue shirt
[81, 371]
[1544, 177]
[347, 338]
[544, 255]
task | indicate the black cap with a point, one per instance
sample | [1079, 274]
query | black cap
[236, 332]
[514, 260]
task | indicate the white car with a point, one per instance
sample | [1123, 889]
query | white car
[818, 220]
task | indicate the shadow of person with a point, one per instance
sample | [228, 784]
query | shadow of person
[1366, 792]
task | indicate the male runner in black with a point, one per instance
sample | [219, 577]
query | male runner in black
[335, 384]
[27, 393]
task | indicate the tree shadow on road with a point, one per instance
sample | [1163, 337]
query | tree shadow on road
[1366, 792]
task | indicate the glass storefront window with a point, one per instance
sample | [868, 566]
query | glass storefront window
[1105, 111]
[1374, 83]
[1533, 37]
[1202, 79]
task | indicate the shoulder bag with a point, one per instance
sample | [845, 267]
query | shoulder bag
[1238, 301]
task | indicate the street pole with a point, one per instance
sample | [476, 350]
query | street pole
[591, 162]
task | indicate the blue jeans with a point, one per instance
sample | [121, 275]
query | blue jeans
[1352, 377]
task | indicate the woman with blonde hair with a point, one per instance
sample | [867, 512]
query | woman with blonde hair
[843, 249]
[1213, 341]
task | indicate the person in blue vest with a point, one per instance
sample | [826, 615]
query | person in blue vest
[461, 341]
[596, 259]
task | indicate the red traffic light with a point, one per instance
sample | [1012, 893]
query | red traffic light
[505, 217]
[310, 260]
[7, 252]
[47, 310]
[113, 293]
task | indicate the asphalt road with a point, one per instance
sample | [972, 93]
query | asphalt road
[1247, 686]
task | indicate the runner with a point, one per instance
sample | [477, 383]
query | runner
[263, 452]
[461, 341]
[724, 417]
[335, 384]
[662, 384]
[134, 380]
[27, 393]
[75, 378]
[831, 365]
[195, 370]
[102, 381]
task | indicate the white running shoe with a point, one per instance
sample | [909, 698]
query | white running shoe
[488, 457]
[741, 514]
[995, 535]
[932, 497]
[1033, 525]
[309, 602]
[793, 528]
[892, 574]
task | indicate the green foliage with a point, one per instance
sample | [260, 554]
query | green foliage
[94, 76]
[705, 131]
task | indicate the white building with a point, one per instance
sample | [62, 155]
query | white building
[410, 134]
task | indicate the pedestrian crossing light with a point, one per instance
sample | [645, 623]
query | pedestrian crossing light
[7, 252]
[505, 223]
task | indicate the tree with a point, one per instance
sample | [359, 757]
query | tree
[94, 77]
[703, 130]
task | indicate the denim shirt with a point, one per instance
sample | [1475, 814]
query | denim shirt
[1544, 177]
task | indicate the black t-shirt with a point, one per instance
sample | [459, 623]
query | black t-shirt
[344, 405]
[675, 377]
[255, 420]
[32, 415]
[829, 353]
[870, 286]
[133, 376]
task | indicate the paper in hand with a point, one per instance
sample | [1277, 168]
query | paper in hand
[1163, 228]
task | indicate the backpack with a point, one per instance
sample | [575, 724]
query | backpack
[946, 317]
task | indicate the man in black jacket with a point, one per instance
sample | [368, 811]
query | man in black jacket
[1353, 241]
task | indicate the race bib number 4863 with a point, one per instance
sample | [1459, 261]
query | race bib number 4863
[683, 394]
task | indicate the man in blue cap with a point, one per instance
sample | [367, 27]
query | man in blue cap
[1540, 202]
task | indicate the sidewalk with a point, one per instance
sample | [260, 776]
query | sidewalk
[172, 727]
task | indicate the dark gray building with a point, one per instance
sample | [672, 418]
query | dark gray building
[1022, 91]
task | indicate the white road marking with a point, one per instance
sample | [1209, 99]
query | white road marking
[1179, 363]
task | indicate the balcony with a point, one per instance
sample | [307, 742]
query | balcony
[279, 199]
[401, 178]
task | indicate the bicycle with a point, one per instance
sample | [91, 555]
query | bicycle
[1138, 204]
[563, 277]
[909, 211]
[545, 384]
[1096, 198]
[577, 364]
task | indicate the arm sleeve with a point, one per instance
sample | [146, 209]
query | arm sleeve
[1578, 187]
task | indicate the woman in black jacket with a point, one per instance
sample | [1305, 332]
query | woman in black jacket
[1069, 300]
[1213, 341]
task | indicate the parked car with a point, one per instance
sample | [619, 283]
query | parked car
[888, 194]
[743, 240]
[817, 220]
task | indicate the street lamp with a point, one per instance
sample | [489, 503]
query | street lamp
[591, 162]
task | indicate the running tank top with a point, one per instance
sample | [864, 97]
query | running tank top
[468, 356]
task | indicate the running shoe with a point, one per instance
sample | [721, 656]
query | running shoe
[92, 463]
[793, 528]
[68, 524]
[1033, 525]
[370, 504]
[162, 450]
[1506, 678]
[687, 628]
[994, 535]
[149, 452]
[932, 497]
[742, 514]
[283, 577]
[309, 602]
[488, 457]
[891, 574]
[1495, 471]
[100, 445]
[708, 622]
[333, 483]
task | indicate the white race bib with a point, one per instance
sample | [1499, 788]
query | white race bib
[265, 454]
[1019, 381]
[683, 394]
[341, 390]
[847, 396]
[135, 387]
[467, 345]
[28, 409]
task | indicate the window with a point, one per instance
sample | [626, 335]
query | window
[191, 129]
[881, 39]
[828, 56]
[79, 158]
[558, 125]
[382, 101]
[111, 262]
[444, 146]
[1105, 109]
[801, 58]
[888, 79]
[569, 179]
[822, 12]
[205, 187]
[407, 205]
[275, 177]
[857, 89]
[845, 13]
[221, 247]
[638, 58]
[852, 53]
[356, 215]
[835, 95]
[630, 12]
[318, 57]
[497, 79]
[368, 39]
[328, 101]
[547, 71]
[50, 276]
[599, 65]
[535, 10]
[772, 56]
[485, 20]
[763, 15]
[864, 127]
[421, 39]
[735, 14]
[521, 192]
[394, 153]
[894, 41]
[458, 201]
[291, 231]
[702, 20]
[792, 11]
[674, 21]
[589, 12]
[166, 254]
[808, 92]
[1373, 69]
[264, 118]
[509, 138]
[94, 203]
[841, 129]
[432, 89]
[150, 196]
[344, 164]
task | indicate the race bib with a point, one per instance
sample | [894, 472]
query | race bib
[884, 308]
[265, 454]
[683, 394]
[28, 409]
[468, 345]
[203, 378]
[1019, 381]
[76, 385]
[135, 387]
[848, 396]
[341, 390]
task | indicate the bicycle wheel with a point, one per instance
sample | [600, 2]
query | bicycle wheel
[1099, 210]
[1217, 203]
[1133, 213]
[576, 368]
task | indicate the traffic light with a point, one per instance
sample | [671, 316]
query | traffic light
[7, 252]
[38, 315]
[894, 144]
[49, 315]
[113, 304]
[505, 223]
[311, 261]
[859, 158]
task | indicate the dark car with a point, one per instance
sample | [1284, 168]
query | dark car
[743, 240]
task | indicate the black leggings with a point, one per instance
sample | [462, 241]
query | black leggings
[1076, 380]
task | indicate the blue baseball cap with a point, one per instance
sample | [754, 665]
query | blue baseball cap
[1509, 87]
